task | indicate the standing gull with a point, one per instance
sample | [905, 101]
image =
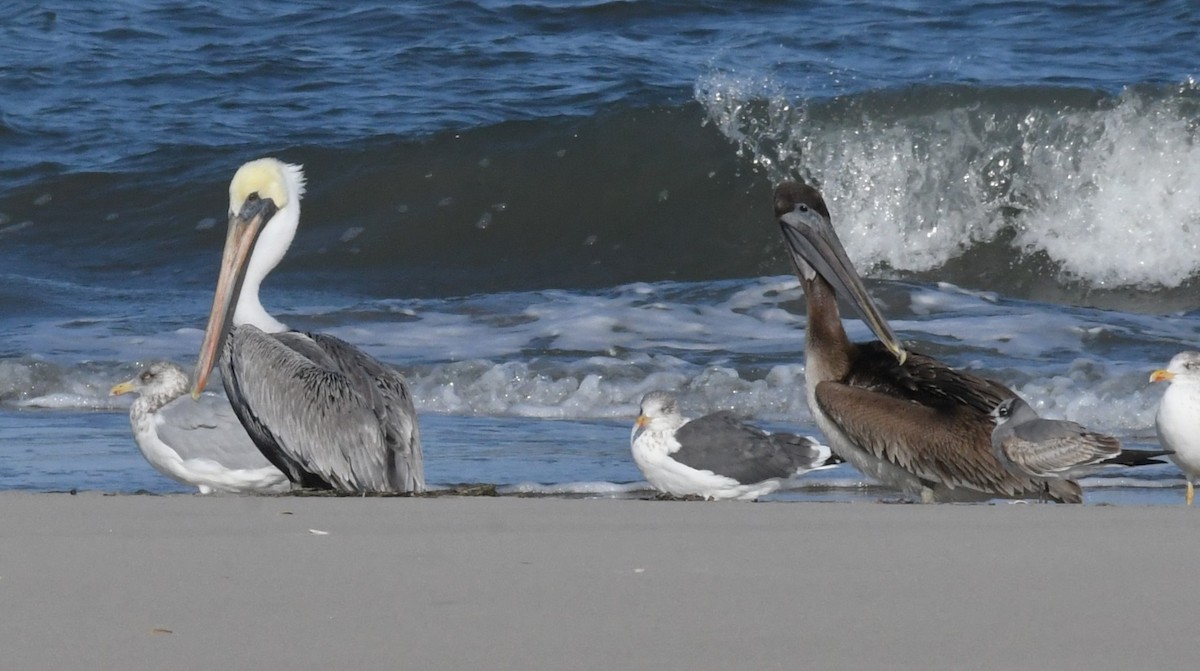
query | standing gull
[716, 456]
[1050, 449]
[902, 418]
[1178, 418]
[327, 414]
[195, 441]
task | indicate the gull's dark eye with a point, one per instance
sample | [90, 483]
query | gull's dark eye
[145, 376]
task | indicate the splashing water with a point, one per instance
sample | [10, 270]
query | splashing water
[1107, 188]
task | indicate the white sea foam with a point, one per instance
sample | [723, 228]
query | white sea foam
[1115, 193]
[67, 401]
[592, 355]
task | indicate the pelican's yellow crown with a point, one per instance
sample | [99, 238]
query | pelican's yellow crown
[266, 177]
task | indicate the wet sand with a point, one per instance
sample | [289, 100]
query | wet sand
[191, 582]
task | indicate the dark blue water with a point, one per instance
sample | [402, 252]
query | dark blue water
[541, 210]
[95, 88]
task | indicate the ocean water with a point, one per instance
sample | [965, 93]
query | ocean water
[539, 211]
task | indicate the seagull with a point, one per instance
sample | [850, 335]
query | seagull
[717, 456]
[1049, 449]
[902, 418]
[327, 414]
[1178, 418]
[195, 441]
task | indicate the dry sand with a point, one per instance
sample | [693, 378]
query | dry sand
[190, 582]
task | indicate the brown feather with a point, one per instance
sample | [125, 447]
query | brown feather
[928, 419]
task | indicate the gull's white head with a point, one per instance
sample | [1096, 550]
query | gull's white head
[1013, 409]
[658, 405]
[1184, 367]
[659, 412]
[161, 377]
[1003, 411]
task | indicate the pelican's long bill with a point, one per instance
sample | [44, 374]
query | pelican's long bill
[811, 240]
[244, 227]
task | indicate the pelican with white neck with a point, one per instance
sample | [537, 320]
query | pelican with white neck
[325, 413]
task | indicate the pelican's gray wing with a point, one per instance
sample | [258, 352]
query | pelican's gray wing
[725, 445]
[325, 410]
[207, 428]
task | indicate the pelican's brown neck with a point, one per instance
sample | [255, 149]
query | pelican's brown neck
[828, 349]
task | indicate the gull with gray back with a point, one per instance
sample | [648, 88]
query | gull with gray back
[197, 441]
[1178, 417]
[717, 456]
[1055, 449]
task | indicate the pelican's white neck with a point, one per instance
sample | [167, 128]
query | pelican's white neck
[269, 250]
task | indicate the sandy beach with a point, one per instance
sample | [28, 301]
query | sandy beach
[191, 582]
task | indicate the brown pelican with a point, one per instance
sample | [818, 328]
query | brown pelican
[1049, 449]
[195, 441]
[327, 414]
[1178, 418]
[717, 456]
[902, 418]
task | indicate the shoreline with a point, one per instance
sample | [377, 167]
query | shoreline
[186, 581]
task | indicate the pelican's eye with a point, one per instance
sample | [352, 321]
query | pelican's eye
[252, 198]
[802, 207]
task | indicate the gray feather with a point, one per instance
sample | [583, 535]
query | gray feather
[326, 413]
[725, 445]
[207, 428]
[1047, 448]
[199, 442]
